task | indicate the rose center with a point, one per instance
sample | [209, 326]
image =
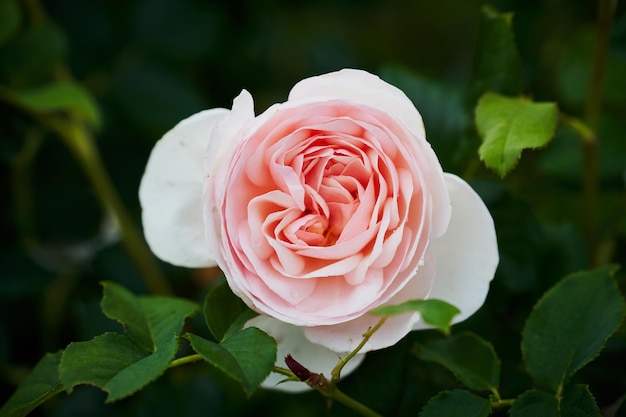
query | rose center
[333, 180]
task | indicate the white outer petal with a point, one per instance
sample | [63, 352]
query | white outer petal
[170, 192]
[291, 340]
[467, 254]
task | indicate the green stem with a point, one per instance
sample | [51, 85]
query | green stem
[336, 372]
[22, 190]
[590, 187]
[350, 402]
[81, 144]
[578, 126]
[329, 388]
[502, 403]
[285, 372]
[330, 391]
[185, 360]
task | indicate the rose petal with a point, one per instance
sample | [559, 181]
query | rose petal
[224, 136]
[365, 88]
[345, 337]
[170, 192]
[467, 254]
[362, 87]
[291, 341]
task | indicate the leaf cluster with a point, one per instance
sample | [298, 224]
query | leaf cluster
[122, 364]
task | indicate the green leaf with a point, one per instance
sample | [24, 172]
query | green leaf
[471, 358]
[535, 403]
[221, 309]
[579, 402]
[123, 364]
[508, 125]
[435, 312]
[570, 325]
[121, 305]
[456, 403]
[64, 96]
[247, 356]
[111, 361]
[39, 386]
[10, 16]
[497, 65]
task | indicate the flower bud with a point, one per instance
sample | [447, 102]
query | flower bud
[297, 368]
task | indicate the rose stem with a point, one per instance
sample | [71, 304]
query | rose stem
[352, 403]
[336, 372]
[606, 12]
[81, 144]
[79, 140]
[185, 360]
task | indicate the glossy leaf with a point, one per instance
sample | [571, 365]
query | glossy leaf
[577, 401]
[65, 96]
[111, 361]
[497, 65]
[10, 16]
[435, 312]
[40, 385]
[456, 403]
[122, 364]
[221, 309]
[535, 403]
[509, 125]
[569, 326]
[471, 358]
[121, 305]
[247, 356]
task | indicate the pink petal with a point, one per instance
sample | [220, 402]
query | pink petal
[345, 337]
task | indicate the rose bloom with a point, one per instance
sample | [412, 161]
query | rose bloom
[318, 210]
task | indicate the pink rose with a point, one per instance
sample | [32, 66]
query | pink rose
[318, 210]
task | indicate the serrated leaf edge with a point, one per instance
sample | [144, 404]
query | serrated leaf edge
[612, 269]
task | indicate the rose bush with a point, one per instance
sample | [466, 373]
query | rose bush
[318, 210]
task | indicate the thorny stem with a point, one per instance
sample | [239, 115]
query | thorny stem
[590, 192]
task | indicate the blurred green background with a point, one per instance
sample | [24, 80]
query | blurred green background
[150, 63]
